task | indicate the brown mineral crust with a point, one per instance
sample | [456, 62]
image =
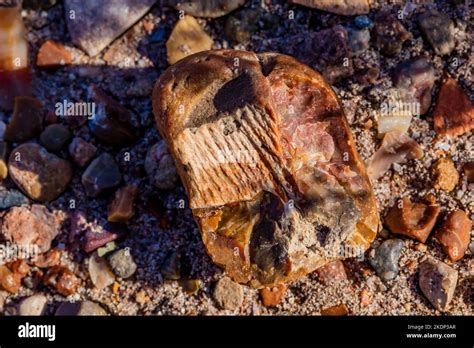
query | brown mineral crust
[415, 220]
[272, 206]
[454, 234]
[454, 111]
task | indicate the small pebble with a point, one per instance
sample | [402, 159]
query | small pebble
[160, 166]
[80, 308]
[438, 28]
[54, 137]
[41, 175]
[122, 263]
[385, 259]
[99, 272]
[454, 234]
[33, 305]
[101, 175]
[437, 282]
[171, 266]
[228, 294]
[81, 151]
[273, 296]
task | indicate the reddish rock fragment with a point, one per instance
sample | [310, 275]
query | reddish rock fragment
[52, 55]
[273, 296]
[414, 220]
[332, 272]
[454, 111]
[454, 234]
[30, 226]
[61, 279]
[338, 310]
[93, 240]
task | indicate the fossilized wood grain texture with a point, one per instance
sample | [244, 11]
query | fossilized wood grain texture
[265, 153]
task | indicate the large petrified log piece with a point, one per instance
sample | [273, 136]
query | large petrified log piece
[268, 161]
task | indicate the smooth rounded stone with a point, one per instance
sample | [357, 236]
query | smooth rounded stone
[454, 234]
[81, 151]
[99, 272]
[95, 24]
[385, 258]
[101, 175]
[206, 8]
[445, 174]
[33, 305]
[28, 226]
[438, 282]
[11, 198]
[228, 294]
[122, 263]
[54, 137]
[160, 166]
[438, 29]
[27, 120]
[414, 79]
[41, 175]
[241, 25]
[80, 308]
[171, 266]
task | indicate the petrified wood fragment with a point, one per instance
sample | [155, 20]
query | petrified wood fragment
[268, 161]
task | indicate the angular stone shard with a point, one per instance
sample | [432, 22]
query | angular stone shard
[454, 111]
[267, 158]
[93, 25]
